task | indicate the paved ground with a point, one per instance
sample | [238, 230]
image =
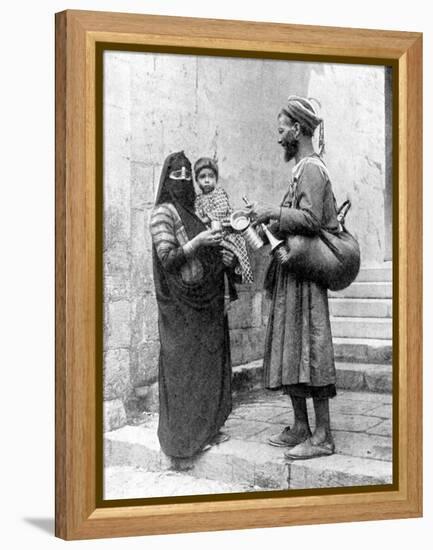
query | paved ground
[362, 428]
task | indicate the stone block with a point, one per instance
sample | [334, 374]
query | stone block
[338, 471]
[240, 314]
[362, 350]
[340, 405]
[382, 428]
[239, 428]
[116, 379]
[117, 334]
[248, 377]
[142, 185]
[254, 464]
[117, 75]
[137, 317]
[147, 145]
[375, 274]
[144, 319]
[375, 399]
[150, 318]
[354, 422]
[363, 445]
[362, 327]
[271, 475]
[266, 306]
[360, 307]
[213, 466]
[116, 272]
[365, 290]
[134, 446]
[132, 483]
[255, 413]
[117, 225]
[114, 415]
[243, 470]
[354, 376]
[379, 379]
[116, 197]
[116, 288]
[116, 259]
[259, 260]
[256, 310]
[117, 135]
[350, 379]
[237, 346]
[254, 344]
[384, 411]
[144, 363]
[149, 397]
[141, 252]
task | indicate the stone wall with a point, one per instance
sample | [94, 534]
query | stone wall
[155, 104]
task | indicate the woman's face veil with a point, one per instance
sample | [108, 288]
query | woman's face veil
[175, 184]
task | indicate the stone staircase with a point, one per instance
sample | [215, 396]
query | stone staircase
[361, 318]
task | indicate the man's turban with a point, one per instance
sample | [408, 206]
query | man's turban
[302, 110]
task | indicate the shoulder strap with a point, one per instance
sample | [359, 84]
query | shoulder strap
[318, 162]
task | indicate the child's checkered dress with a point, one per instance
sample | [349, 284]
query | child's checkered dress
[216, 206]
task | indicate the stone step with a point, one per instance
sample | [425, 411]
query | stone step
[362, 350]
[234, 462]
[364, 377]
[375, 274]
[365, 327]
[122, 482]
[350, 376]
[364, 290]
[360, 307]
[361, 424]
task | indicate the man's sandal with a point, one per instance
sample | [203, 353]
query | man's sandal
[308, 449]
[288, 438]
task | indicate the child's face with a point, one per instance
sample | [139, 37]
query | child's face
[206, 180]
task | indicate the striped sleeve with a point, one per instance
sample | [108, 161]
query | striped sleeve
[162, 229]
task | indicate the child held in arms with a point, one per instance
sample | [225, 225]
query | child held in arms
[213, 205]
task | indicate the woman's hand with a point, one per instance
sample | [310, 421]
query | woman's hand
[228, 257]
[209, 237]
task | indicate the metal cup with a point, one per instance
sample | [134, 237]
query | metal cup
[241, 223]
[216, 225]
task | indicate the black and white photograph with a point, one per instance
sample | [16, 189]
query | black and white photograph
[247, 258]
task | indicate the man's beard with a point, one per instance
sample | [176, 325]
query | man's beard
[290, 149]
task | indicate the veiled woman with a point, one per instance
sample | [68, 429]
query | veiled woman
[194, 363]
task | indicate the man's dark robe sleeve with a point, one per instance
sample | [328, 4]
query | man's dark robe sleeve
[306, 218]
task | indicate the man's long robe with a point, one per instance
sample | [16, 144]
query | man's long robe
[298, 347]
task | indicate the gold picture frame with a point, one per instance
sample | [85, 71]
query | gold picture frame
[80, 38]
